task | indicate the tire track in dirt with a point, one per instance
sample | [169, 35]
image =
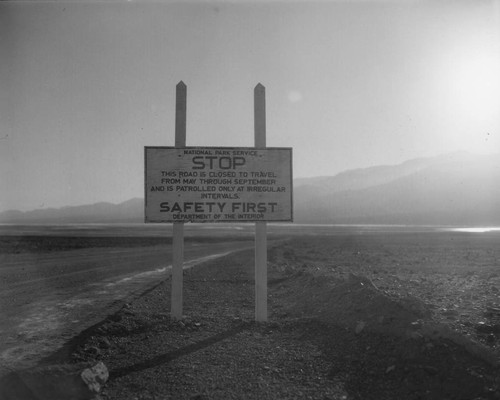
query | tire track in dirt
[39, 315]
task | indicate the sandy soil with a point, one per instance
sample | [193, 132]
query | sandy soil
[404, 316]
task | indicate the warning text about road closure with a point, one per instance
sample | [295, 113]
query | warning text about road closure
[218, 184]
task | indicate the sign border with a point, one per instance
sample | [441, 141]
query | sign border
[146, 148]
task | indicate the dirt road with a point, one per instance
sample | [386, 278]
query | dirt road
[46, 298]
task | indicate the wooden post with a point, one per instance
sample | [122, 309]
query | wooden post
[260, 227]
[178, 231]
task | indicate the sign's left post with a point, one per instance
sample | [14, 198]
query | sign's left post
[178, 229]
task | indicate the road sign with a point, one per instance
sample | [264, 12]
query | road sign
[218, 184]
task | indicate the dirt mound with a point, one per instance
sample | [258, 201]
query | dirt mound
[385, 347]
[354, 303]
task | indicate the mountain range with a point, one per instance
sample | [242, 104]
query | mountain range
[452, 189]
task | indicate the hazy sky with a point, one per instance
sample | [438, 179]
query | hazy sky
[84, 86]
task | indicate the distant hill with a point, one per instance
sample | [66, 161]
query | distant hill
[453, 189]
[457, 188]
[129, 211]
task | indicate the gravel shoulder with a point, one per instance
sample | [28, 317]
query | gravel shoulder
[340, 327]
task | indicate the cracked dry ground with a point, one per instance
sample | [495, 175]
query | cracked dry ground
[361, 317]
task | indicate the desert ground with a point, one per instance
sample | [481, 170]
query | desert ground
[354, 313]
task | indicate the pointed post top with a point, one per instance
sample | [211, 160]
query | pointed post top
[260, 116]
[180, 114]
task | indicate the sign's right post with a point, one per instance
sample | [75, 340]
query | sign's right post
[260, 227]
[178, 228]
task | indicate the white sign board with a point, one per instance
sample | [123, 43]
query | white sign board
[218, 184]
